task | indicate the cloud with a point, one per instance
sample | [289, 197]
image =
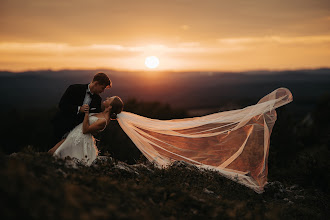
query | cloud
[101, 49]
[21, 56]
[54, 49]
[120, 22]
[185, 27]
[189, 44]
[275, 39]
[230, 53]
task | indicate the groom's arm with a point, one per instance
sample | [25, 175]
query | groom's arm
[67, 101]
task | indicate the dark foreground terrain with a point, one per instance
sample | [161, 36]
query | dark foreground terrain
[37, 186]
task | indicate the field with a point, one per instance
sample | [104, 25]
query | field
[35, 185]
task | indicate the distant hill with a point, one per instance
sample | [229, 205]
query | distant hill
[190, 90]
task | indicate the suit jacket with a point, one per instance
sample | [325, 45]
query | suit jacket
[67, 118]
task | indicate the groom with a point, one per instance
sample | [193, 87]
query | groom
[75, 100]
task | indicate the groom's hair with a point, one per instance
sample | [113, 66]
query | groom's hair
[102, 79]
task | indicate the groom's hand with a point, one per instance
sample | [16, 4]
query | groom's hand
[84, 108]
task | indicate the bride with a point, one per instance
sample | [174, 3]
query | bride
[80, 143]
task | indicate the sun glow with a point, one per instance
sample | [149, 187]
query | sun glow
[151, 62]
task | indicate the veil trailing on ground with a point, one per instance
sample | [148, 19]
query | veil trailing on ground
[235, 143]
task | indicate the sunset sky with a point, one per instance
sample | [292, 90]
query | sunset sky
[211, 35]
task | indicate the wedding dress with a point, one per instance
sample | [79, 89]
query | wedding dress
[78, 145]
[234, 143]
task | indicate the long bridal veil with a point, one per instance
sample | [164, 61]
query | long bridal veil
[235, 143]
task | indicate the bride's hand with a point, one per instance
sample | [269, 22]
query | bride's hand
[86, 109]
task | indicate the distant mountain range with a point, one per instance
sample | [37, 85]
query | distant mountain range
[189, 90]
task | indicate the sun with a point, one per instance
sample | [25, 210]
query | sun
[151, 62]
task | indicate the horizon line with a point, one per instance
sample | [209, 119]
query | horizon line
[162, 71]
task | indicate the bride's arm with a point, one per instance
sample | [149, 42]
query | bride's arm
[95, 127]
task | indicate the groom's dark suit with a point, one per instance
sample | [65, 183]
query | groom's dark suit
[68, 117]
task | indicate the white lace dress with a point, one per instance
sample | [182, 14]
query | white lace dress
[78, 145]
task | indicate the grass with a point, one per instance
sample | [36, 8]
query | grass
[38, 186]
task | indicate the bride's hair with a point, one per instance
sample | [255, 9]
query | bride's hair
[117, 106]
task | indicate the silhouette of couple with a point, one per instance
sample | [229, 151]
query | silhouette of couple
[235, 143]
[80, 116]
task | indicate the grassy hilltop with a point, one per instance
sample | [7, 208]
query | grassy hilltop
[36, 185]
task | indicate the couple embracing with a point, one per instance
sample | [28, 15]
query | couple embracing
[234, 143]
[80, 116]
